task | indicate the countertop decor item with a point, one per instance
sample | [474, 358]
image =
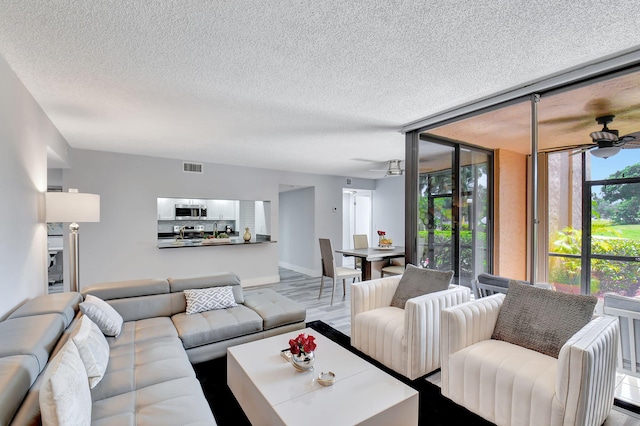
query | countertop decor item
[327, 379]
[302, 352]
[247, 235]
[383, 240]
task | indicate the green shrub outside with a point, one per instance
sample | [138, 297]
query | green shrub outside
[607, 276]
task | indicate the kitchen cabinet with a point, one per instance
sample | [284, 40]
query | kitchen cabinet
[228, 209]
[182, 201]
[166, 210]
[198, 202]
[222, 209]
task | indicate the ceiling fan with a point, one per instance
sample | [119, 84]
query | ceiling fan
[607, 141]
[393, 168]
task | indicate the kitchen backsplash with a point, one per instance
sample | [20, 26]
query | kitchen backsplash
[166, 226]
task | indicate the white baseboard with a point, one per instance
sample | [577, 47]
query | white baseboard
[300, 269]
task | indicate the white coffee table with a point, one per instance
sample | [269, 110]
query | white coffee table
[272, 392]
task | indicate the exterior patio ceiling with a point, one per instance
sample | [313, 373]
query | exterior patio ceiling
[565, 119]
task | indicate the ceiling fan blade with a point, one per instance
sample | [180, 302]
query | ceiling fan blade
[598, 107]
[635, 136]
[581, 150]
[565, 120]
[632, 144]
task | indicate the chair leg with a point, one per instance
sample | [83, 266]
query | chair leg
[333, 289]
[321, 285]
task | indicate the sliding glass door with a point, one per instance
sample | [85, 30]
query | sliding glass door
[475, 240]
[453, 203]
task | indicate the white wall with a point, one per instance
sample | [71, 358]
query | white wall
[123, 244]
[54, 177]
[297, 240]
[388, 209]
[25, 132]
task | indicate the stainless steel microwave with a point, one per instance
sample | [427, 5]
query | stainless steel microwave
[190, 211]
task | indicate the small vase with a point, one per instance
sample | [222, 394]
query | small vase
[303, 361]
[247, 235]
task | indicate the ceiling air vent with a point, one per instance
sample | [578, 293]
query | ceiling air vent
[192, 167]
[348, 181]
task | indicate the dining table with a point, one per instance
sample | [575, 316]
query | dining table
[372, 254]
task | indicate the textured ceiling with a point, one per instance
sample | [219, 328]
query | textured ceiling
[292, 85]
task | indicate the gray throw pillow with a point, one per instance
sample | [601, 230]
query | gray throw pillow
[541, 320]
[418, 281]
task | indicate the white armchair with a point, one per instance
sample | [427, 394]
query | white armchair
[512, 385]
[405, 340]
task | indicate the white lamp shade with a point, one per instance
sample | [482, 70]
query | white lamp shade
[72, 207]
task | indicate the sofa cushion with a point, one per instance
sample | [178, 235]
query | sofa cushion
[214, 326]
[173, 402]
[129, 288]
[418, 281]
[64, 395]
[275, 309]
[178, 285]
[207, 299]
[93, 349]
[34, 336]
[102, 314]
[65, 304]
[540, 319]
[141, 330]
[17, 374]
[146, 353]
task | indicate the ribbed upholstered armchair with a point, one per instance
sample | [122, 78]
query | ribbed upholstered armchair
[405, 340]
[509, 384]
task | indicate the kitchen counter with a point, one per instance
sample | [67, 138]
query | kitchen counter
[164, 243]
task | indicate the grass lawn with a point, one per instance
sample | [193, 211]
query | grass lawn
[631, 232]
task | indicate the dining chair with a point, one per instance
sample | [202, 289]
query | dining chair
[360, 241]
[392, 269]
[329, 269]
[487, 285]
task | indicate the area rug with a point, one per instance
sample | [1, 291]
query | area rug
[434, 408]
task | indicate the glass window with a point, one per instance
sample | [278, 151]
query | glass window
[453, 208]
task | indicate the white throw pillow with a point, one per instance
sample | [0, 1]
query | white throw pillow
[207, 299]
[102, 314]
[93, 348]
[65, 398]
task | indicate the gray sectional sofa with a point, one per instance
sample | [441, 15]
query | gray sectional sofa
[149, 378]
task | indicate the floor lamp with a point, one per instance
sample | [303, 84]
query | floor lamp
[73, 207]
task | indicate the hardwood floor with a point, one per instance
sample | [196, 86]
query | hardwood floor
[304, 289]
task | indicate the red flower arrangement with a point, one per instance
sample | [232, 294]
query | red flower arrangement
[381, 233]
[302, 344]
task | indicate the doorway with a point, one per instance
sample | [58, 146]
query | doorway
[356, 207]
